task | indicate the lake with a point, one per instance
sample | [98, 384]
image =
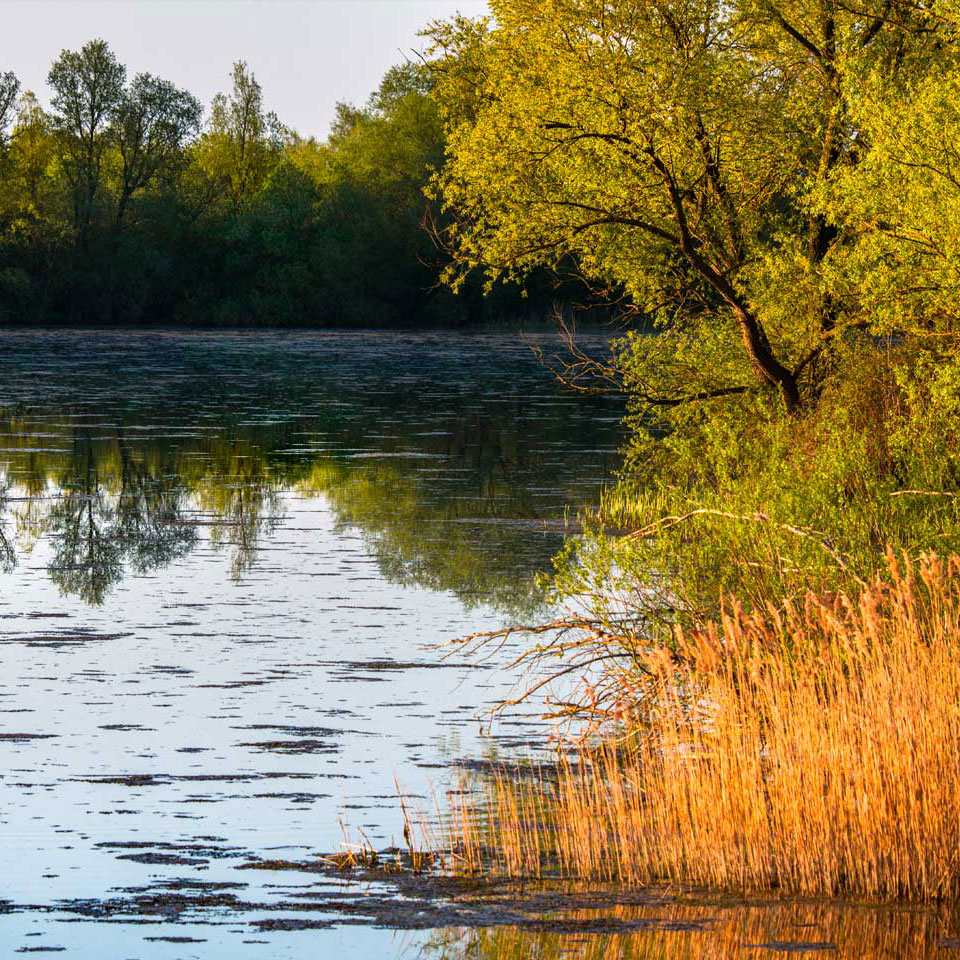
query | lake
[229, 565]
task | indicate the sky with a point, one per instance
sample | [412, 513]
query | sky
[307, 54]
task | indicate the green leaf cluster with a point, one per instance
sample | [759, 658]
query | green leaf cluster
[771, 187]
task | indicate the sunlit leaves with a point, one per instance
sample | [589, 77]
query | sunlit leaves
[680, 153]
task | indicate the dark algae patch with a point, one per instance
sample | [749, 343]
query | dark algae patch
[25, 737]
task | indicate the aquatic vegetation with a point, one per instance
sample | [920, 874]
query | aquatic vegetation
[810, 749]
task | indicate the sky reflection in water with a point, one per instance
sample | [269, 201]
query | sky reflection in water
[223, 557]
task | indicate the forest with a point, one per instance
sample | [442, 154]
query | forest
[127, 203]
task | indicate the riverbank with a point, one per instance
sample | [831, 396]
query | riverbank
[809, 750]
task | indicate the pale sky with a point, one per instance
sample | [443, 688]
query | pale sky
[307, 54]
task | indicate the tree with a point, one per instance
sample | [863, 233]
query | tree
[87, 90]
[671, 149]
[9, 88]
[244, 140]
[32, 152]
[153, 121]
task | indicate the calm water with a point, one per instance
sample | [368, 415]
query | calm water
[226, 562]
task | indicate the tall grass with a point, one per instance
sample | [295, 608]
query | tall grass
[813, 749]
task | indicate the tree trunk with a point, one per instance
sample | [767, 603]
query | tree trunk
[766, 365]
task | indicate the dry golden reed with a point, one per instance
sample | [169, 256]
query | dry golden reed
[812, 750]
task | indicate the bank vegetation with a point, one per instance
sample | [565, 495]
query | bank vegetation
[756, 639]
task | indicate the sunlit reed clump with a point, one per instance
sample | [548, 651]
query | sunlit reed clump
[812, 750]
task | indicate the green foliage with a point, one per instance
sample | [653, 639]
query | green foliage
[244, 141]
[774, 187]
[9, 88]
[118, 207]
[679, 154]
[901, 204]
[732, 499]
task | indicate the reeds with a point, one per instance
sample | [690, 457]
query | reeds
[811, 750]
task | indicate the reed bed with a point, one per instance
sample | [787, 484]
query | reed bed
[812, 749]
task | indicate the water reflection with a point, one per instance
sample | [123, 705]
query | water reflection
[457, 460]
[684, 931]
[229, 562]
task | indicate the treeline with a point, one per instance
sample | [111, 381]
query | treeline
[125, 204]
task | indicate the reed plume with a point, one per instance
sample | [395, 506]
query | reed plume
[812, 749]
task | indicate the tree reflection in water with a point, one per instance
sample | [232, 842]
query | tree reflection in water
[692, 931]
[465, 497]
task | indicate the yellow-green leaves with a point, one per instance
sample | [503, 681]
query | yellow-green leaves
[900, 206]
[711, 160]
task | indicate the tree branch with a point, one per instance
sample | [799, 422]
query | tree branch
[876, 26]
[795, 34]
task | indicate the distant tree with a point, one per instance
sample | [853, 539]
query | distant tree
[372, 254]
[31, 154]
[398, 83]
[118, 206]
[244, 140]
[153, 121]
[9, 88]
[87, 90]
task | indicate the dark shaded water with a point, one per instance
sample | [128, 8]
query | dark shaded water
[226, 560]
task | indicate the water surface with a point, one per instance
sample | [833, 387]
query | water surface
[226, 562]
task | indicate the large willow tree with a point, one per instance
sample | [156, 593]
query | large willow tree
[775, 184]
[677, 150]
